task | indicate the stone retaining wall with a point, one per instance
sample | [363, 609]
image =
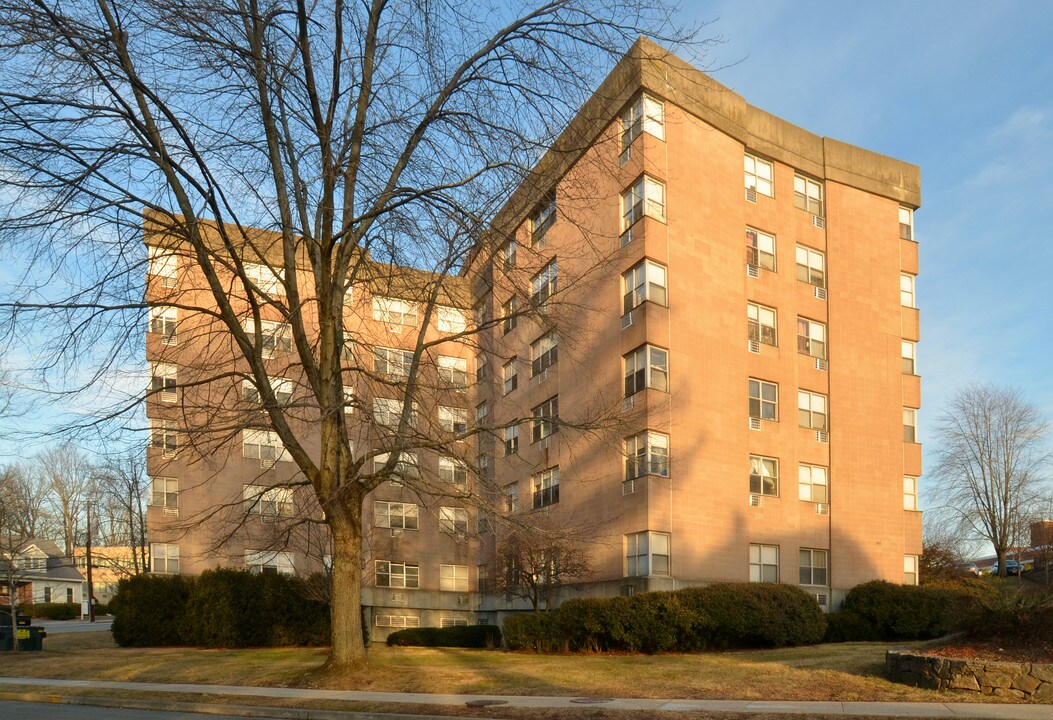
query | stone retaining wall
[1023, 681]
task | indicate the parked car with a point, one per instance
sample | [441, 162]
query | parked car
[1012, 567]
[969, 569]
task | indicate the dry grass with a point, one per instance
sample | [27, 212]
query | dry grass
[844, 672]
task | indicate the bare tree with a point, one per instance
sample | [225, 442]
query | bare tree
[13, 535]
[124, 488]
[25, 498]
[69, 476]
[366, 138]
[990, 459]
[536, 557]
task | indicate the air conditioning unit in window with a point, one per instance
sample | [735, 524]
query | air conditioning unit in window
[542, 376]
[755, 500]
[822, 599]
[822, 436]
[627, 319]
[753, 270]
[169, 396]
[751, 194]
[171, 512]
[166, 453]
[460, 536]
[628, 487]
[396, 532]
[627, 403]
[753, 346]
[168, 339]
[820, 293]
[822, 508]
[754, 423]
[817, 221]
[268, 519]
[267, 463]
[627, 237]
[169, 283]
[628, 590]
[398, 598]
[543, 443]
[821, 364]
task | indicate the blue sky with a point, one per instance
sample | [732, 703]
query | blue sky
[965, 90]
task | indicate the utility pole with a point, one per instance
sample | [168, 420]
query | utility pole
[87, 559]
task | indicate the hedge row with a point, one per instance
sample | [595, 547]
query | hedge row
[880, 610]
[464, 636]
[219, 608]
[726, 615]
[51, 611]
[1014, 617]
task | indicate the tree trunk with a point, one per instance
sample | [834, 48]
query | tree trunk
[348, 650]
[1000, 555]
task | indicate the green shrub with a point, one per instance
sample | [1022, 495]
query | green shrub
[908, 612]
[738, 615]
[1011, 617]
[462, 636]
[149, 610]
[848, 627]
[533, 631]
[51, 611]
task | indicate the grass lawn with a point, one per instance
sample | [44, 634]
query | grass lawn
[842, 672]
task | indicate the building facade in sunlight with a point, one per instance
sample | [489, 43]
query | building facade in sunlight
[696, 352]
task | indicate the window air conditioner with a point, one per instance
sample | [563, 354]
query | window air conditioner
[755, 500]
[752, 270]
[822, 508]
[627, 319]
[754, 346]
[817, 221]
[822, 436]
[820, 293]
[821, 364]
[755, 423]
[751, 194]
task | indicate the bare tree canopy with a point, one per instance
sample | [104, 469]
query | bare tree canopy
[991, 454]
[359, 136]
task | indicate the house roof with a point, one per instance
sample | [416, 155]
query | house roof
[45, 547]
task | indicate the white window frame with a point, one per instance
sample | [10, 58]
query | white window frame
[453, 471]
[544, 353]
[906, 223]
[544, 420]
[164, 382]
[546, 487]
[453, 420]
[164, 320]
[164, 558]
[764, 563]
[811, 338]
[811, 266]
[274, 336]
[450, 320]
[644, 281]
[648, 554]
[644, 114]
[766, 471]
[759, 174]
[396, 515]
[397, 574]
[511, 497]
[909, 355]
[164, 492]
[268, 502]
[398, 621]
[453, 520]
[453, 578]
[281, 387]
[263, 445]
[910, 492]
[392, 362]
[760, 248]
[762, 324]
[511, 440]
[508, 253]
[510, 376]
[910, 569]
[266, 561]
[813, 567]
[646, 453]
[759, 403]
[808, 194]
[509, 318]
[910, 425]
[543, 285]
[266, 279]
[407, 466]
[388, 412]
[813, 483]
[543, 218]
[813, 410]
[644, 198]
[394, 311]
[908, 290]
[164, 435]
[646, 367]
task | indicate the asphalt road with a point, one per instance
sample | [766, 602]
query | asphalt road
[51, 711]
[55, 627]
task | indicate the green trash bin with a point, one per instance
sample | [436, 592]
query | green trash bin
[31, 638]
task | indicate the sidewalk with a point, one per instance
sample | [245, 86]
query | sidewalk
[885, 709]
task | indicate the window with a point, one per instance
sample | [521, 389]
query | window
[395, 515]
[910, 493]
[164, 492]
[909, 351]
[808, 195]
[509, 319]
[907, 297]
[811, 338]
[644, 281]
[511, 440]
[265, 279]
[453, 420]
[811, 410]
[910, 425]
[453, 578]
[764, 475]
[910, 569]
[163, 435]
[163, 263]
[482, 410]
[281, 387]
[646, 453]
[545, 415]
[761, 322]
[645, 197]
[543, 285]
[813, 484]
[482, 367]
[270, 502]
[405, 467]
[811, 266]
[397, 575]
[508, 254]
[262, 445]
[392, 362]
[764, 563]
[764, 400]
[646, 367]
[274, 336]
[453, 622]
[542, 219]
[646, 553]
[163, 320]
[69, 595]
[512, 498]
[544, 352]
[906, 223]
[482, 574]
[509, 376]
[163, 381]
[349, 400]
[479, 312]
[398, 621]
[394, 311]
[269, 563]
[388, 412]
[812, 566]
[453, 520]
[760, 175]
[450, 319]
[164, 558]
[644, 114]
[546, 487]
[452, 471]
[47, 594]
[760, 249]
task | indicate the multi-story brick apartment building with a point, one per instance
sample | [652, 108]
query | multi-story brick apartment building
[690, 316]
